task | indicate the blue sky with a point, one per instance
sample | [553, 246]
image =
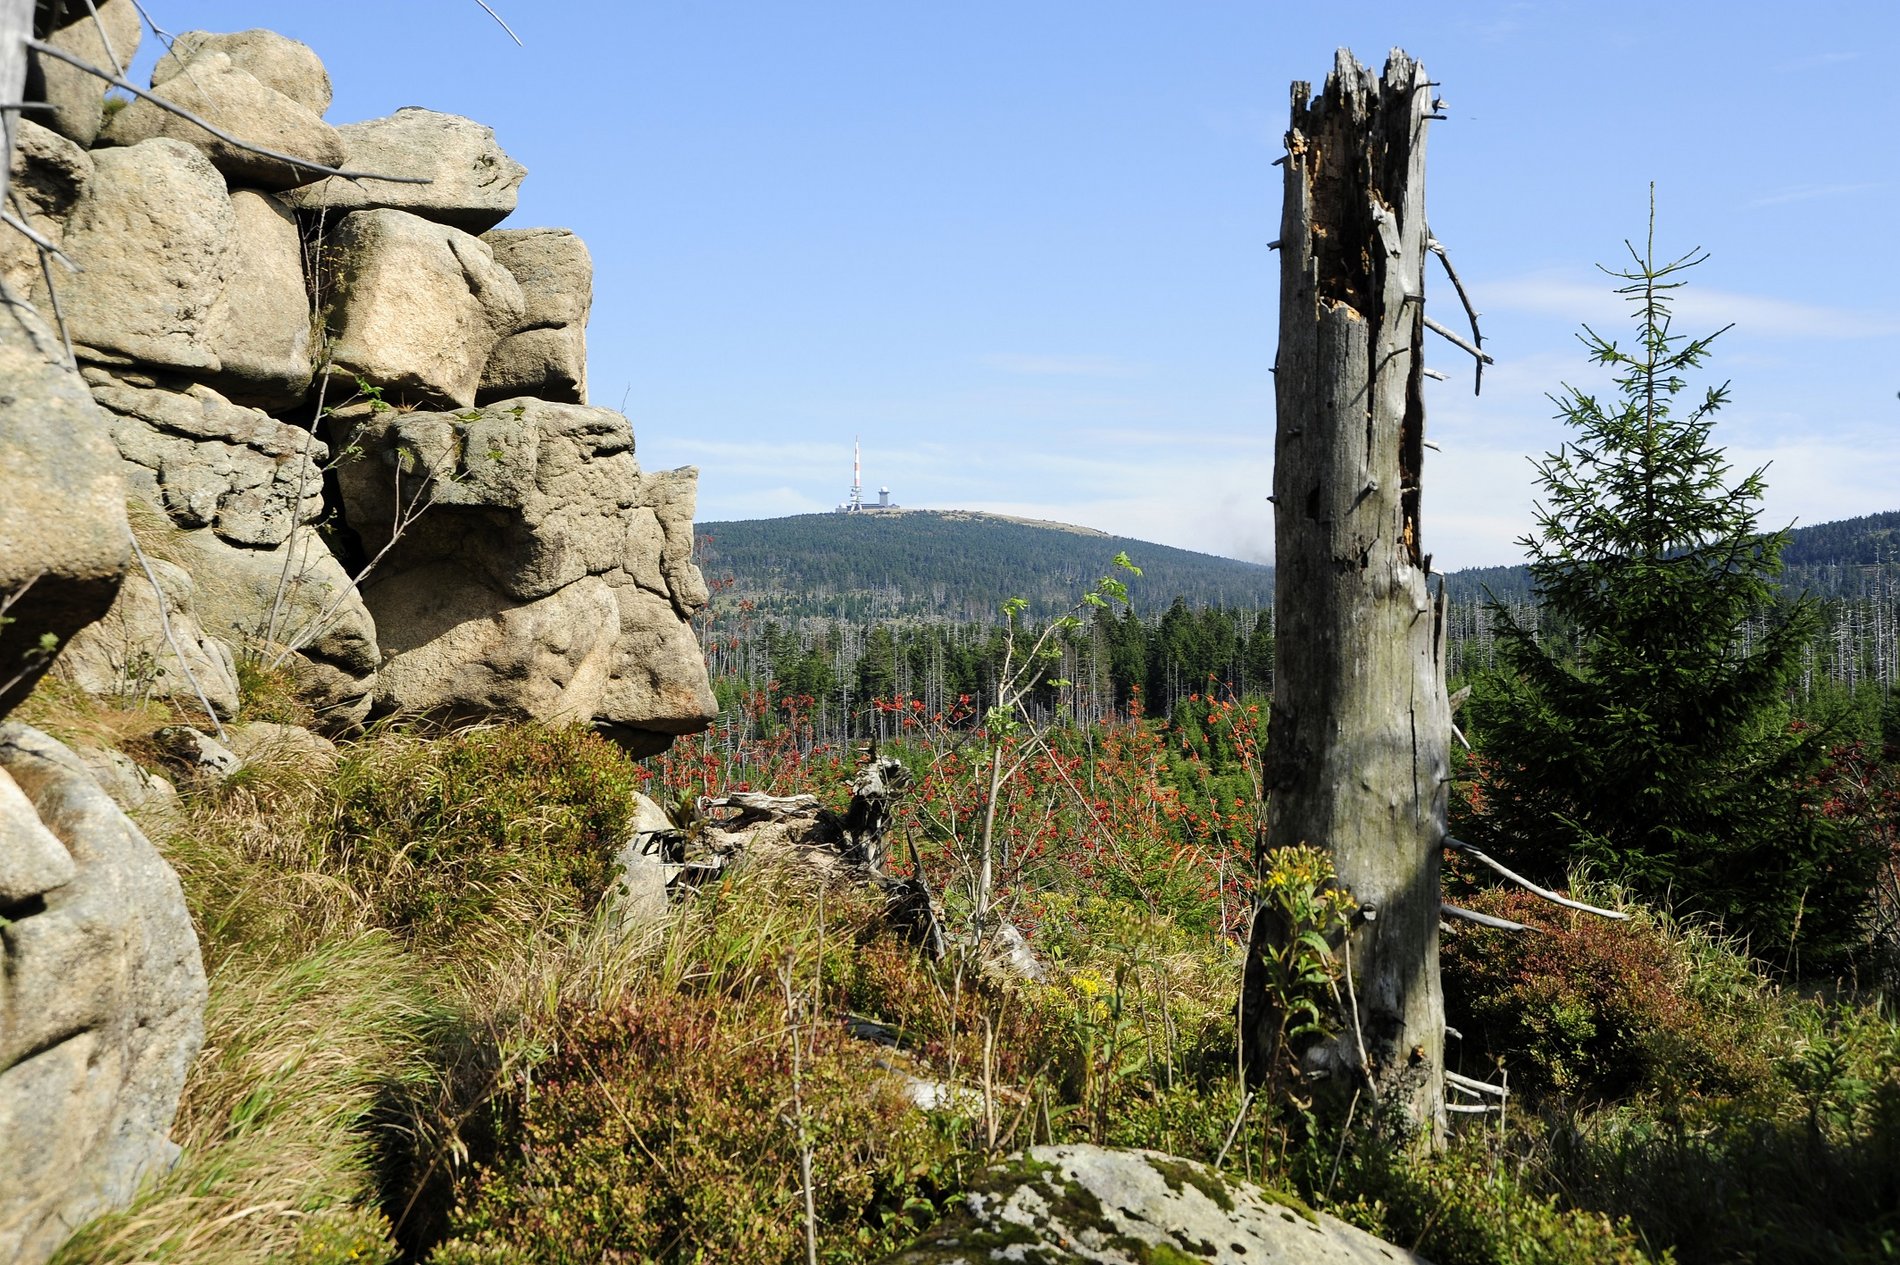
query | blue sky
[1020, 247]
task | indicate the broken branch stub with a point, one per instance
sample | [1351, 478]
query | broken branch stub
[1359, 740]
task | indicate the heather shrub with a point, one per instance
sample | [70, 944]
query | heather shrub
[668, 1129]
[487, 832]
[1594, 1009]
[1469, 1207]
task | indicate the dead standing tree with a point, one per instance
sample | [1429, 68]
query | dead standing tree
[1358, 749]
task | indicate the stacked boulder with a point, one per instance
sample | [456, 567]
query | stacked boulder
[357, 406]
[345, 421]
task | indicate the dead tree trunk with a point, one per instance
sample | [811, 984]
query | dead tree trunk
[1358, 744]
[16, 25]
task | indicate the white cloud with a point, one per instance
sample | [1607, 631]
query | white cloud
[1812, 192]
[1754, 314]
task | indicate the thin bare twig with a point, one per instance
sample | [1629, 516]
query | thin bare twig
[1456, 340]
[1471, 313]
[1459, 845]
[171, 639]
[118, 81]
[504, 26]
[38, 239]
[1233, 1131]
[1483, 920]
[105, 40]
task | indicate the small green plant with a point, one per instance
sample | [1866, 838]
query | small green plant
[37, 655]
[1294, 977]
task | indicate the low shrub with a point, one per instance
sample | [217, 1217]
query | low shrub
[489, 833]
[1468, 1206]
[1595, 1009]
[668, 1129]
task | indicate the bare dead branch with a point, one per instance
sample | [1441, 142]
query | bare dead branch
[46, 247]
[1483, 920]
[1476, 1086]
[1461, 846]
[105, 40]
[1471, 314]
[1457, 340]
[304, 164]
[504, 26]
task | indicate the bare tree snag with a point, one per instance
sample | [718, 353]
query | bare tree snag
[16, 28]
[1359, 738]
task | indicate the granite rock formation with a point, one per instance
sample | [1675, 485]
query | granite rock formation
[252, 327]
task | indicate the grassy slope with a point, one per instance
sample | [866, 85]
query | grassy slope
[421, 1016]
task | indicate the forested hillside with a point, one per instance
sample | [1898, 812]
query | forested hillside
[950, 565]
[960, 566]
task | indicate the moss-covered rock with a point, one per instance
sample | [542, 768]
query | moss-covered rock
[1056, 1204]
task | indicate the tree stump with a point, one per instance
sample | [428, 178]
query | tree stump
[1358, 746]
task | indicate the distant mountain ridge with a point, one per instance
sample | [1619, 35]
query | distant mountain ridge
[961, 565]
[1848, 558]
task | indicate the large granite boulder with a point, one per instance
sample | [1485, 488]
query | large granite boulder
[278, 62]
[211, 463]
[102, 996]
[49, 172]
[77, 98]
[525, 573]
[240, 489]
[261, 329]
[64, 540]
[155, 234]
[1090, 1203]
[546, 354]
[414, 306]
[295, 606]
[472, 185]
[216, 88]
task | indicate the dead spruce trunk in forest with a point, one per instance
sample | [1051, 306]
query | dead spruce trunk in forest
[1358, 745]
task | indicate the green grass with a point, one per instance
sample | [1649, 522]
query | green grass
[427, 1036]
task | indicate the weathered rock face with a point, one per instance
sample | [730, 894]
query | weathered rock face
[101, 997]
[545, 355]
[64, 541]
[239, 487]
[533, 583]
[48, 174]
[416, 307]
[472, 185]
[216, 88]
[150, 645]
[1091, 1203]
[299, 607]
[211, 463]
[261, 328]
[279, 63]
[228, 305]
[78, 98]
[154, 231]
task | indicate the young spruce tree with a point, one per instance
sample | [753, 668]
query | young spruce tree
[1646, 735]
